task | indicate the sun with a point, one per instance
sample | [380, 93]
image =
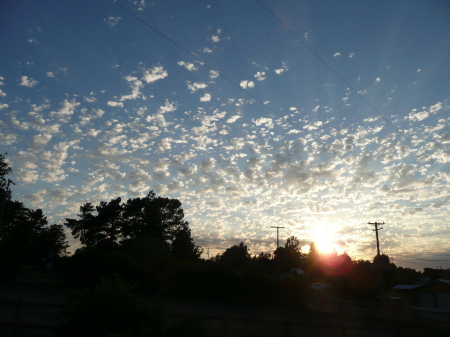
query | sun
[323, 240]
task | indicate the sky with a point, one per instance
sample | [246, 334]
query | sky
[315, 116]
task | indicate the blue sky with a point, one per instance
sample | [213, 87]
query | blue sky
[226, 109]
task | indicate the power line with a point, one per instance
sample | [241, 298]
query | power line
[343, 80]
[203, 62]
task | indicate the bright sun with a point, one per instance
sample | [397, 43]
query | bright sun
[323, 240]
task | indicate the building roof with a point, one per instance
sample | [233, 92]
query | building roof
[405, 287]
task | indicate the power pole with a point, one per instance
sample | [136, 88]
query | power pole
[277, 227]
[376, 224]
[207, 252]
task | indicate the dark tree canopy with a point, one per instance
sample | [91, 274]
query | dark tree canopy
[235, 256]
[183, 247]
[105, 226]
[290, 256]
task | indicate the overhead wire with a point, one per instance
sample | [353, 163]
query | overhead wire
[259, 100]
[343, 80]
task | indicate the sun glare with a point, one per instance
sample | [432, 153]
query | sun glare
[323, 240]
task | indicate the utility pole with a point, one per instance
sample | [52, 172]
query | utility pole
[4, 197]
[376, 224]
[207, 252]
[277, 227]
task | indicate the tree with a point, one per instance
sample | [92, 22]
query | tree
[25, 233]
[235, 256]
[106, 225]
[290, 256]
[152, 216]
[183, 247]
[382, 260]
[5, 169]
[313, 255]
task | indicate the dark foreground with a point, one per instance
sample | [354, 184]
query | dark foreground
[36, 307]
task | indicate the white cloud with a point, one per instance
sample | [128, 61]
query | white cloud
[28, 82]
[112, 21]
[215, 38]
[1, 80]
[115, 104]
[32, 40]
[154, 74]
[233, 119]
[377, 80]
[207, 50]
[196, 86]
[268, 122]
[3, 106]
[50, 74]
[136, 86]
[247, 84]
[418, 116]
[351, 55]
[39, 142]
[213, 74]
[283, 69]
[260, 75]
[66, 111]
[205, 98]
[337, 54]
[418, 70]
[188, 66]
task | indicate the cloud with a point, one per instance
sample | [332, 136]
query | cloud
[154, 74]
[28, 82]
[67, 109]
[115, 104]
[233, 119]
[196, 86]
[377, 80]
[260, 75]
[39, 142]
[112, 21]
[213, 74]
[418, 116]
[268, 122]
[188, 66]
[283, 69]
[247, 84]
[205, 98]
[136, 86]
[351, 55]
[50, 74]
[337, 54]
[3, 106]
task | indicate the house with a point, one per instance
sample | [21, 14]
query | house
[433, 295]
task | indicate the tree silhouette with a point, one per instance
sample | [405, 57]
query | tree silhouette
[152, 216]
[236, 256]
[183, 247]
[25, 235]
[289, 256]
